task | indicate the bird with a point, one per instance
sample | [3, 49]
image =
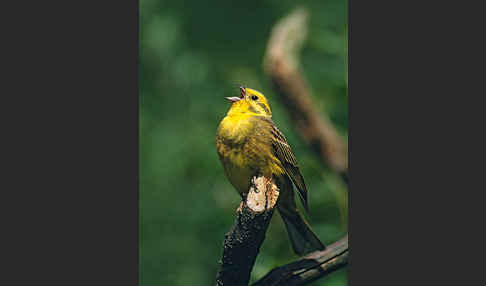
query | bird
[249, 143]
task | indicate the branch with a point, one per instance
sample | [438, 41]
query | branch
[243, 241]
[310, 268]
[281, 65]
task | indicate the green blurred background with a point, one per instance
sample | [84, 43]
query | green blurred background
[192, 55]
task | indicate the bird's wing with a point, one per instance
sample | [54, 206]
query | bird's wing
[284, 154]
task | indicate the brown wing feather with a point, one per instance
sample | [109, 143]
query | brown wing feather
[284, 154]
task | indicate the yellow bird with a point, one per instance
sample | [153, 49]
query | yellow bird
[248, 144]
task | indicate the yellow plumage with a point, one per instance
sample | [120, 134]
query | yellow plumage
[248, 144]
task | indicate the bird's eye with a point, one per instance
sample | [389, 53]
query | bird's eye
[254, 97]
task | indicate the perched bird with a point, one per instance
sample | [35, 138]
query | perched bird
[249, 143]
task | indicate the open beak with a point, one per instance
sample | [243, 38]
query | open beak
[233, 99]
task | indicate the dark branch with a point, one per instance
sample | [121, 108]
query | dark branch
[310, 268]
[243, 241]
[281, 65]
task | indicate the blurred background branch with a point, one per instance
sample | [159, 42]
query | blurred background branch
[281, 65]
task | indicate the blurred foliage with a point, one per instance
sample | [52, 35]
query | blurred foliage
[192, 55]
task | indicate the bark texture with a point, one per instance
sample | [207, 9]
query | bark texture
[242, 243]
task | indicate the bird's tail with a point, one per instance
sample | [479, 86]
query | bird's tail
[301, 236]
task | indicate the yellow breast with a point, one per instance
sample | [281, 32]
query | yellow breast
[245, 150]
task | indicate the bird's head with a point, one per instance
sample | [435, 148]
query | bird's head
[249, 101]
